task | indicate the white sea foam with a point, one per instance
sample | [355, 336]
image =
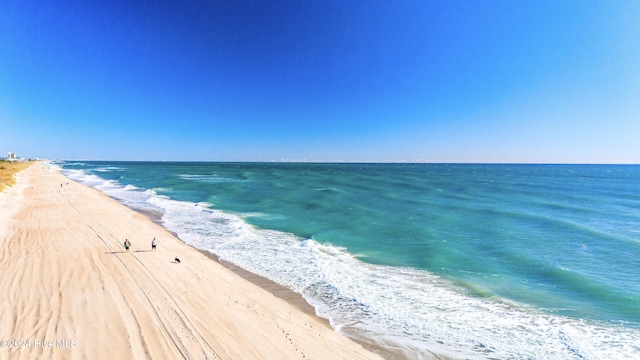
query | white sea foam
[109, 169]
[207, 178]
[397, 307]
[127, 194]
[261, 216]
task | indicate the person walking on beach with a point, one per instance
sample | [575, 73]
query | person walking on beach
[153, 244]
[127, 244]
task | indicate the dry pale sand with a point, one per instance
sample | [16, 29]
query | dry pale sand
[69, 290]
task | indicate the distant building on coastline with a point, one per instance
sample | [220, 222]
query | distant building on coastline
[13, 157]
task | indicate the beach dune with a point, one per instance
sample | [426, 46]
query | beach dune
[70, 290]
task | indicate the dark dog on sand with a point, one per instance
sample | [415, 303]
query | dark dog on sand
[177, 261]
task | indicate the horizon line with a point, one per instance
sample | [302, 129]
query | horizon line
[303, 161]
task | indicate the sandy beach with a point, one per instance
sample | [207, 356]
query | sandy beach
[70, 290]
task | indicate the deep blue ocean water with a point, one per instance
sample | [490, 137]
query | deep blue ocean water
[470, 261]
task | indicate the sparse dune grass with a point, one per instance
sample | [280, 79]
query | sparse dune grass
[8, 169]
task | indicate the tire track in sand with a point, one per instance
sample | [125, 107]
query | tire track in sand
[158, 299]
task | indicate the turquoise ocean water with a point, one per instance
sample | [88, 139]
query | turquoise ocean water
[469, 261]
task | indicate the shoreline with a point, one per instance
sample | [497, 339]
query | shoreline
[280, 291]
[274, 288]
[66, 279]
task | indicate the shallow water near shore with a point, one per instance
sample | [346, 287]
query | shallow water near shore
[469, 261]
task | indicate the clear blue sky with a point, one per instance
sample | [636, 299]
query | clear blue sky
[345, 80]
